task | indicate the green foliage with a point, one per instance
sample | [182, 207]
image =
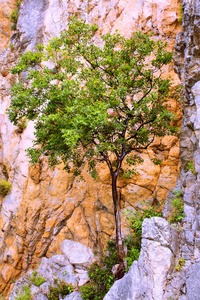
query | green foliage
[191, 167]
[156, 161]
[100, 274]
[36, 279]
[178, 193]
[181, 261]
[135, 220]
[177, 214]
[107, 100]
[60, 288]
[25, 294]
[22, 124]
[180, 264]
[180, 18]
[5, 188]
[88, 292]
[11, 47]
[14, 16]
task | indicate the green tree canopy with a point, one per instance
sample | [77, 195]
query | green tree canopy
[95, 103]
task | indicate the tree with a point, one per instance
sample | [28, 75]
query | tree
[94, 103]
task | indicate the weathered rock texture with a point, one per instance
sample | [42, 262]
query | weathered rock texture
[147, 277]
[187, 57]
[48, 206]
[69, 267]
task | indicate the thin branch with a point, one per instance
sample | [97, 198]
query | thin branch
[141, 148]
[144, 123]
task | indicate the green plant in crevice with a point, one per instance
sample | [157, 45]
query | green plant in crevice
[14, 16]
[191, 167]
[36, 279]
[181, 263]
[60, 288]
[25, 294]
[100, 274]
[135, 220]
[156, 161]
[177, 204]
[5, 188]
[180, 18]
[22, 124]
[11, 47]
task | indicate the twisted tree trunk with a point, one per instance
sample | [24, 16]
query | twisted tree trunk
[119, 242]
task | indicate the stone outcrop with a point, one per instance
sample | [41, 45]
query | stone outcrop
[187, 66]
[147, 277]
[47, 206]
[70, 267]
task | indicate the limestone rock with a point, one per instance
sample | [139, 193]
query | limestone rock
[147, 276]
[76, 253]
[127, 287]
[57, 267]
[73, 296]
[193, 280]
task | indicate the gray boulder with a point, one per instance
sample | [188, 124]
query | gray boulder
[193, 281]
[76, 253]
[70, 267]
[147, 276]
[73, 296]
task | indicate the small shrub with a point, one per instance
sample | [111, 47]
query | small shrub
[88, 291]
[178, 193]
[177, 213]
[180, 18]
[60, 288]
[191, 167]
[25, 294]
[135, 220]
[11, 47]
[21, 125]
[36, 279]
[14, 16]
[5, 188]
[181, 263]
[100, 274]
[156, 161]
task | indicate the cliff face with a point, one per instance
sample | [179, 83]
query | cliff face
[46, 205]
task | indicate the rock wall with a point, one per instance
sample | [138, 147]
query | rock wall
[187, 58]
[47, 206]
